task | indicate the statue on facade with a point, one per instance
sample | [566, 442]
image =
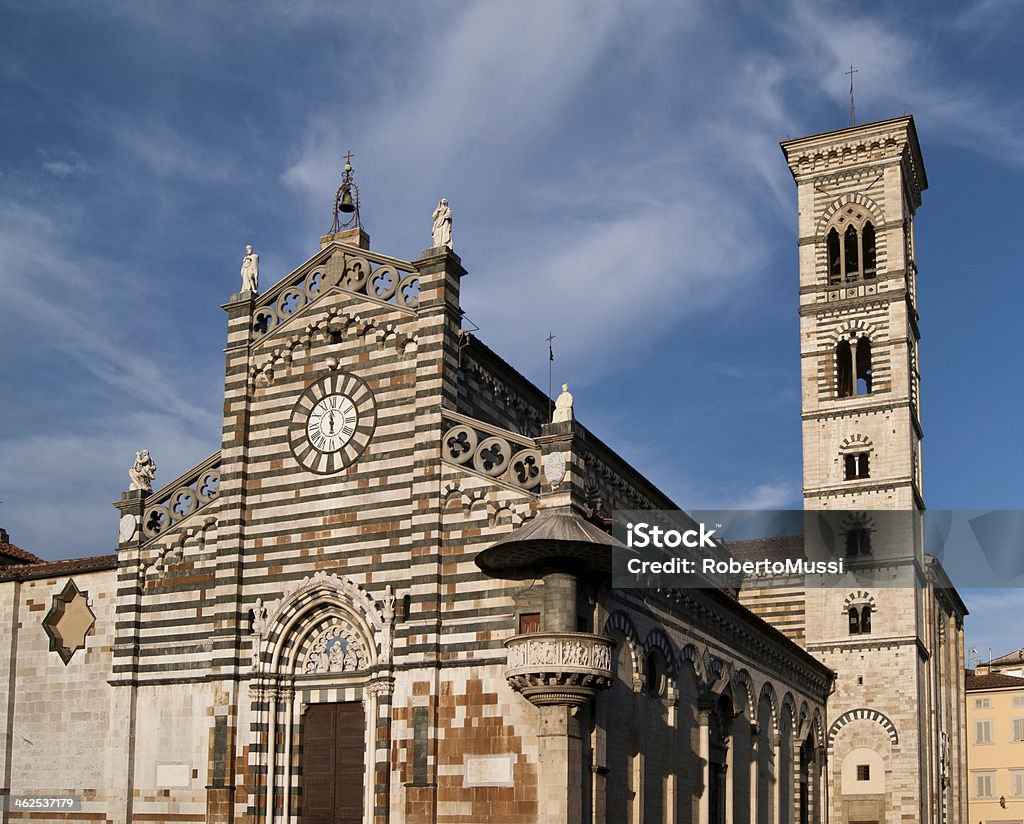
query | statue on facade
[563, 406]
[250, 271]
[142, 472]
[443, 224]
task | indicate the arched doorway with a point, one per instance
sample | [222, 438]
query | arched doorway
[321, 686]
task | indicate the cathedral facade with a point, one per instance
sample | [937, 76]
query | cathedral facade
[386, 596]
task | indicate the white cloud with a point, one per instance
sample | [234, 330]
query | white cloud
[897, 74]
[72, 166]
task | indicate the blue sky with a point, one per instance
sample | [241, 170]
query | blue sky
[615, 177]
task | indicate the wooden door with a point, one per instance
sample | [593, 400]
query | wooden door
[333, 764]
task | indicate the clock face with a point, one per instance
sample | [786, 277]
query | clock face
[332, 423]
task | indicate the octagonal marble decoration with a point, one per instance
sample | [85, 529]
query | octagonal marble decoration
[68, 622]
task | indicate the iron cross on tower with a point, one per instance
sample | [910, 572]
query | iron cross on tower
[851, 72]
[551, 357]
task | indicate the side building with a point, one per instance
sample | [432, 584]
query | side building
[995, 746]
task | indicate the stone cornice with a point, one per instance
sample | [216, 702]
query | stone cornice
[823, 154]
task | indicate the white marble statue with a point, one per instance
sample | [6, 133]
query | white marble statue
[143, 472]
[443, 224]
[250, 271]
[563, 406]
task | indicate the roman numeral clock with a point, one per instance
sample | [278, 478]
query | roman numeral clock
[332, 423]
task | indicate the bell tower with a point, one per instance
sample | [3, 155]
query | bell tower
[892, 641]
[858, 190]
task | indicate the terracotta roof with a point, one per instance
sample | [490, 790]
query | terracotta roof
[9, 553]
[993, 681]
[42, 569]
[773, 549]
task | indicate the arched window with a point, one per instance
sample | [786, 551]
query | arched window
[851, 254]
[655, 673]
[854, 375]
[851, 248]
[855, 465]
[854, 620]
[844, 369]
[868, 245]
[858, 542]
[863, 366]
[835, 266]
[860, 619]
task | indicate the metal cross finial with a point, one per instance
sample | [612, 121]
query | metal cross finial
[348, 157]
[851, 72]
[551, 358]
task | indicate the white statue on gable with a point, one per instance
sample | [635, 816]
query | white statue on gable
[142, 472]
[563, 406]
[443, 224]
[250, 271]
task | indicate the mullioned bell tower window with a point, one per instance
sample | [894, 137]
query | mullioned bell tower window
[854, 256]
[856, 466]
[854, 375]
[860, 620]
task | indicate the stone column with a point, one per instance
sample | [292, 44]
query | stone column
[560, 753]
[288, 697]
[754, 748]
[377, 703]
[672, 788]
[822, 799]
[559, 613]
[777, 758]
[271, 750]
[704, 804]
[730, 777]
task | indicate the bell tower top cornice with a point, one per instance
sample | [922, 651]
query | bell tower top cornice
[869, 144]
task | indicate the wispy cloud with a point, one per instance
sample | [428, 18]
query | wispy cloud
[80, 321]
[69, 166]
[164, 150]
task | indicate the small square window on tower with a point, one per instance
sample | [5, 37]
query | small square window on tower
[863, 772]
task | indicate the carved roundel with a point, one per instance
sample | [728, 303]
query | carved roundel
[332, 423]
